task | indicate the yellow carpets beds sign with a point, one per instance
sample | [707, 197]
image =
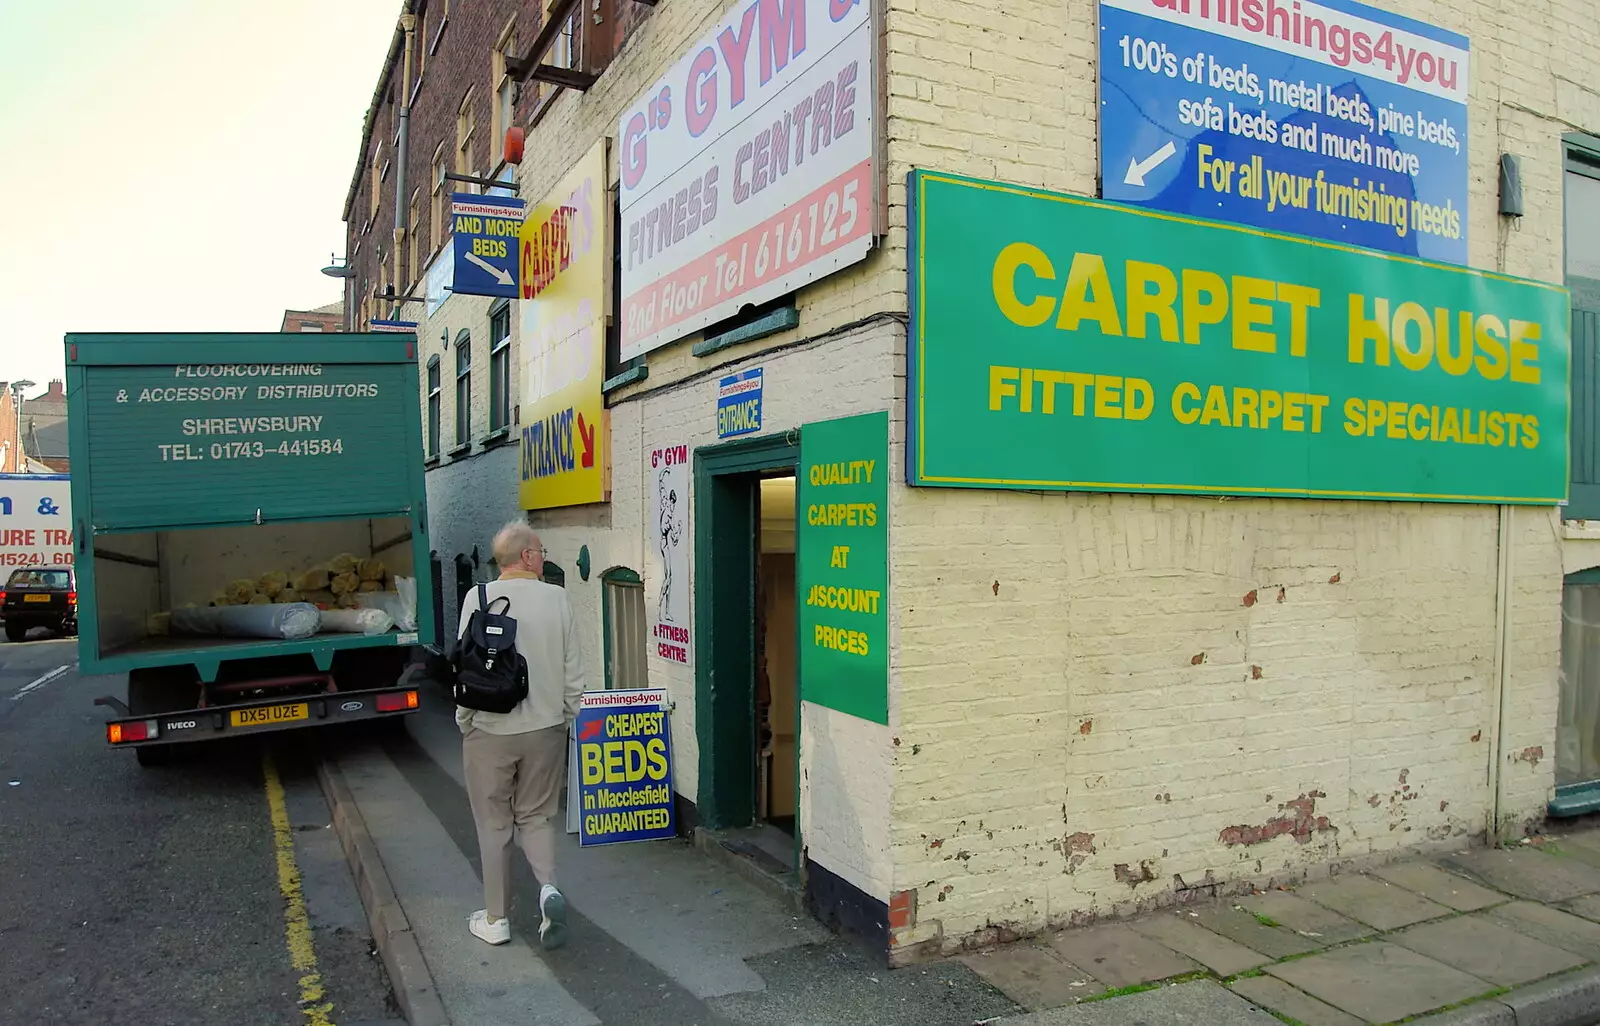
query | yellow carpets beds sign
[561, 285]
[1063, 343]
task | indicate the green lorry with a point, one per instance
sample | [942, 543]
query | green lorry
[241, 505]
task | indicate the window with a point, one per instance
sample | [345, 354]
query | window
[622, 602]
[500, 367]
[466, 127]
[422, 44]
[614, 361]
[554, 575]
[1583, 230]
[463, 389]
[434, 397]
[412, 231]
[375, 177]
[504, 88]
[1583, 278]
[310, 326]
[563, 50]
[441, 197]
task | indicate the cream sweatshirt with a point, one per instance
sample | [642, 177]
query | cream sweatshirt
[548, 640]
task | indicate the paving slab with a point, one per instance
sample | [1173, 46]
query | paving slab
[1217, 953]
[1187, 1004]
[1271, 992]
[1587, 906]
[1553, 926]
[1488, 950]
[1437, 885]
[1586, 838]
[1306, 918]
[1578, 852]
[1033, 976]
[1528, 874]
[1118, 956]
[1380, 982]
[1242, 926]
[1377, 903]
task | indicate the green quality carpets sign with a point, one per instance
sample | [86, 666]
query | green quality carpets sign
[842, 549]
[1063, 343]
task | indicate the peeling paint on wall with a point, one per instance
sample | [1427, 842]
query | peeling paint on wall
[1301, 822]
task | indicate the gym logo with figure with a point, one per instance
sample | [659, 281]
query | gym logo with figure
[669, 471]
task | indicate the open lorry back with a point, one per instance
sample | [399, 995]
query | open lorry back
[212, 471]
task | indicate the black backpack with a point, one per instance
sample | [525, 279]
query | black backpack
[490, 675]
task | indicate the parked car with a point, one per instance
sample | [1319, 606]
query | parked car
[40, 597]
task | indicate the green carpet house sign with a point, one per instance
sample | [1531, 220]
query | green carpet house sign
[1064, 343]
[843, 553]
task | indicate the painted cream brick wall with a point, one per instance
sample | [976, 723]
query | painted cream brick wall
[1101, 702]
[848, 373]
[576, 120]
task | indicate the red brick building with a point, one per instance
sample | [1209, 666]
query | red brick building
[459, 66]
[323, 318]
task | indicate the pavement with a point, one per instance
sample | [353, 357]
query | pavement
[660, 933]
[1478, 937]
[153, 896]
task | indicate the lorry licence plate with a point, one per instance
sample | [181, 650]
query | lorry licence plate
[36, 598]
[268, 714]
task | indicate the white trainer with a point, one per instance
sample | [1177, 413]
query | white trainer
[496, 931]
[552, 918]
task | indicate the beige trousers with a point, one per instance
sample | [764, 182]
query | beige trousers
[514, 780]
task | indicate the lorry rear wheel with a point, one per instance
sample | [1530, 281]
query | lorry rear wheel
[15, 632]
[156, 690]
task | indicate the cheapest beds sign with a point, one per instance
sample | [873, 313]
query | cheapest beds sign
[624, 747]
[747, 170]
[1068, 343]
[1320, 117]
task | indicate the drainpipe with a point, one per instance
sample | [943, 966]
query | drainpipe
[402, 205]
[1502, 637]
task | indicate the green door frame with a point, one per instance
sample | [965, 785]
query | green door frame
[724, 620]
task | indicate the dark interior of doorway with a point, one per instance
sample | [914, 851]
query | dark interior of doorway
[777, 700]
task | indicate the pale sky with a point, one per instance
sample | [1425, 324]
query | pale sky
[174, 165]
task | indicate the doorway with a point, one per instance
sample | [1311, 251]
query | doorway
[777, 696]
[746, 677]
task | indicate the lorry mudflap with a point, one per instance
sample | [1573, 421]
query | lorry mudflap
[258, 717]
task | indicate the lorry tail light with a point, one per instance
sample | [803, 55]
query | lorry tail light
[72, 598]
[2, 595]
[137, 730]
[394, 703]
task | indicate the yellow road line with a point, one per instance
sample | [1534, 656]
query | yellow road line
[302, 954]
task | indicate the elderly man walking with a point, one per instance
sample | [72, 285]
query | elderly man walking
[515, 762]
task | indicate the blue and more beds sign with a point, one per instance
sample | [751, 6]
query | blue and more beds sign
[624, 761]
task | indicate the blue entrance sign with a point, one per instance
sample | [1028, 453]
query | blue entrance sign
[739, 404]
[395, 326]
[485, 230]
[1330, 119]
[624, 749]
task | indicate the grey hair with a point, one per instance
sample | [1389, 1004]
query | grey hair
[511, 540]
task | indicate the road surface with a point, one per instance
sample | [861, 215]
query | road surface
[162, 896]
